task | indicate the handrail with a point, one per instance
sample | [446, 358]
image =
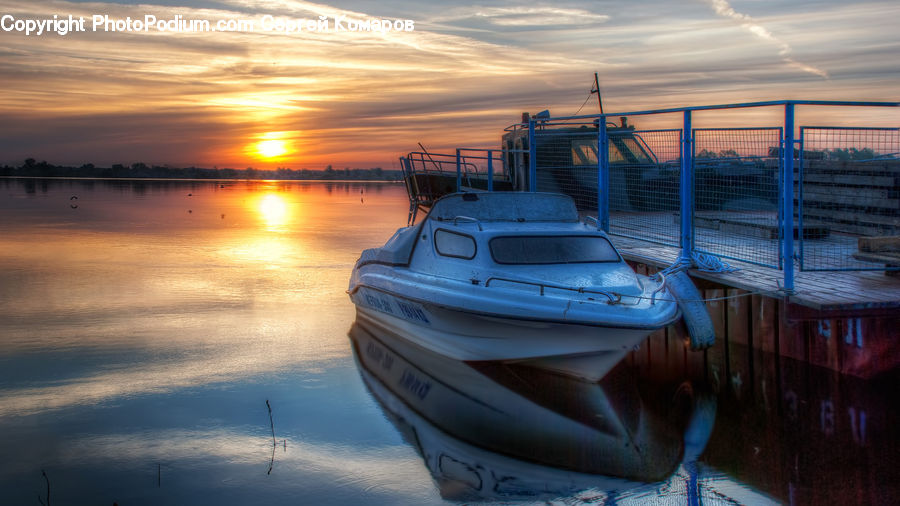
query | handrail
[662, 285]
[646, 147]
[743, 105]
[440, 166]
[614, 298]
[470, 220]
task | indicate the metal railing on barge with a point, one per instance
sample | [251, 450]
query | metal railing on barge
[430, 175]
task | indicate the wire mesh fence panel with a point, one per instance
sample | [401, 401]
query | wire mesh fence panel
[845, 186]
[736, 194]
[644, 174]
[847, 199]
[644, 171]
[566, 162]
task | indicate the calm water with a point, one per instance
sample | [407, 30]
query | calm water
[144, 326]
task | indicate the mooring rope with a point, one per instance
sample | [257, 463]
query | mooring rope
[711, 299]
[711, 263]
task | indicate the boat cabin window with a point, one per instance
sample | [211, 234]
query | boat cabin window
[626, 150]
[584, 151]
[621, 150]
[454, 244]
[552, 249]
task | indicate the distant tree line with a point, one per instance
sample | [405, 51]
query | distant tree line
[724, 153]
[843, 154]
[32, 168]
[851, 154]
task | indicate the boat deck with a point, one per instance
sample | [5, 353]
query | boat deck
[820, 290]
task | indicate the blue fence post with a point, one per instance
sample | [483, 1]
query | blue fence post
[787, 198]
[458, 171]
[490, 168]
[532, 158]
[800, 198]
[602, 175]
[687, 187]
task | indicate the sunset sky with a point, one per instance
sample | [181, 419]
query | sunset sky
[303, 100]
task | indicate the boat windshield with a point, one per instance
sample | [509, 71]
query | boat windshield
[621, 150]
[552, 249]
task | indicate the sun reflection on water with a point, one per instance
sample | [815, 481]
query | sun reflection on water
[274, 212]
[274, 253]
[250, 283]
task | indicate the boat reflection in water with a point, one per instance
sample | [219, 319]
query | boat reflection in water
[492, 430]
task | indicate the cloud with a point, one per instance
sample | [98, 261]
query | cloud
[525, 16]
[724, 9]
[121, 95]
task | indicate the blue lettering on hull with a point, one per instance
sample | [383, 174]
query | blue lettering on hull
[393, 306]
[379, 303]
[412, 312]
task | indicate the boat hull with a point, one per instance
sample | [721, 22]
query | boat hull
[583, 350]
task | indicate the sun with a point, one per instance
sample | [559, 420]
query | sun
[271, 148]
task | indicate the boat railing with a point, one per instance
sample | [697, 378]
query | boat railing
[439, 163]
[614, 298]
[472, 166]
[646, 147]
[419, 171]
[662, 285]
[429, 176]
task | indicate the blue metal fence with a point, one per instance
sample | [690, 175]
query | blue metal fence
[645, 185]
[739, 193]
[847, 192]
[736, 194]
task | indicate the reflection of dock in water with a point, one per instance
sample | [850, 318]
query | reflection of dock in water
[801, 433]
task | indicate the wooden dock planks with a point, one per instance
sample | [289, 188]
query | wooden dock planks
[825, 290]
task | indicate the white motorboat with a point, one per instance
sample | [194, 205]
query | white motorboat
[511, 276]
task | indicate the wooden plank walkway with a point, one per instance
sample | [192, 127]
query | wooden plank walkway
[820, 290]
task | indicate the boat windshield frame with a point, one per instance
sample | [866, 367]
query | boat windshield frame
[437, 248]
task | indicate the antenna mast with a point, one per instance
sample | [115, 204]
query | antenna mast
[596, 89]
